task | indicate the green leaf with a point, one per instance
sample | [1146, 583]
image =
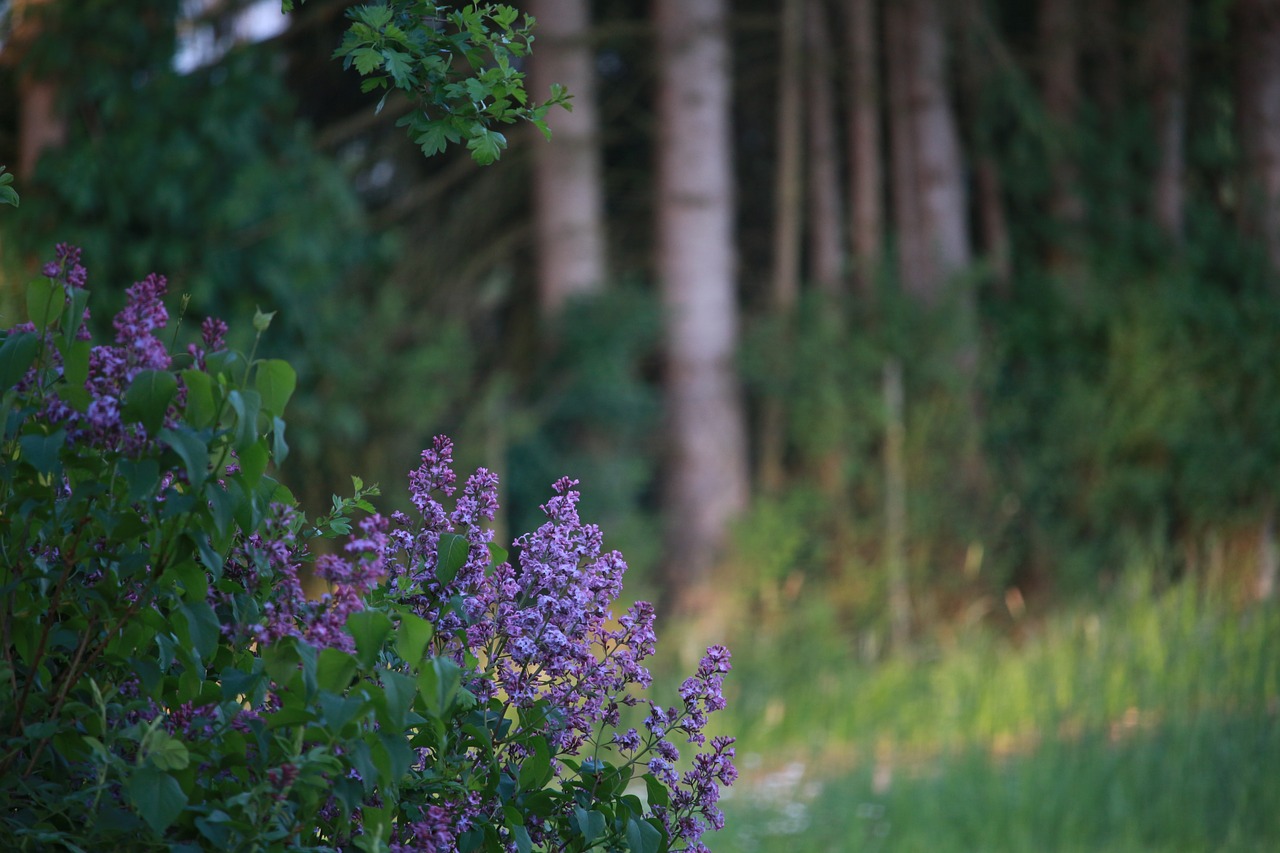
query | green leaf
[451, 556]
[192, 449]
[590, 823]
[16, 357]
[148, 398]
[201, 409]
[643, 837]
[523, 843]
[334, 670]
[75, 363]
[657, 792]
[497, 554]
[279, 447]
[275, 381]
[486, 146]
[412, 636]
[366, 60]
[41, 451]
[203, 627]
[167, 752]
[339, 710]
[246, 404]
[438, 685]
[253, 463]
[370, 629]
[8, 195]
[536, 770]
[395, 700]
[156, 796]
[45, 299]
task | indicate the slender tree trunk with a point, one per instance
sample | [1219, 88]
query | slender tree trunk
[41, 125]
[707, 480]
[1258, 109]
[1059, 50]
[930, 200]
[895, 509]
[826, 223]
[568, 186]
[866, 191]
[1165, 52]
[788, 228]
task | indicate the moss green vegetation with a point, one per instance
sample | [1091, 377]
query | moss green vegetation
[1149, 723]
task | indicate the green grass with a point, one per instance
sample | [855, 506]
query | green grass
[1149, 724]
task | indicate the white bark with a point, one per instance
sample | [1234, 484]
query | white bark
[707, 480]
[929, 196]
[568, 184]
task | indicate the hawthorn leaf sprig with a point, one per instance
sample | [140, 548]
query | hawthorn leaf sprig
[459, 66]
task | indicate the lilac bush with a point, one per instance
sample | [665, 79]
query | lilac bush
[166, 682]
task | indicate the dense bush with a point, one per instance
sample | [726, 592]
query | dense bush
[166, 683]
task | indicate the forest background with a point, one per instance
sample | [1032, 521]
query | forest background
[905, 343]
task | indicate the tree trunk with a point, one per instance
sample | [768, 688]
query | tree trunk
[788, 228]
[1165, 52]
[707, 479]
[1258, 109]
[41, 125]
[826, 222]
[1061, 92]
[929, 197]
[865, 163]
[568, 187]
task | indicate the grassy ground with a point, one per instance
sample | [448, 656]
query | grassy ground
[1147, 725]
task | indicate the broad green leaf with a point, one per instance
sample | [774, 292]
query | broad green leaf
[156, 796]
[142, 477]
[451, 555]
[16, 357]
[536, 770]
[75, 362]
[395, 700]
[339, 710]
[643, 837]
[334, 670]
[590, 823]
[253, 463]
[275, 380]
[193, 450]
[148, 397]
[41, 451]
[201, 409]
[45, 299]
[412, 636]
[370, 629]
[279, 447]
[497, 554]
[438, 685]
[167, 752]
[247, 404]
[523, 843]
[203, 628]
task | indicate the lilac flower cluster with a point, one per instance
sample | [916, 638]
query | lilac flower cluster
[272, 558]
[111, 367]
[542, 627]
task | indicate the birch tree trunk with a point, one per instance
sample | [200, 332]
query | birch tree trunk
[568, 186]
[930, 201]
[707, 479]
